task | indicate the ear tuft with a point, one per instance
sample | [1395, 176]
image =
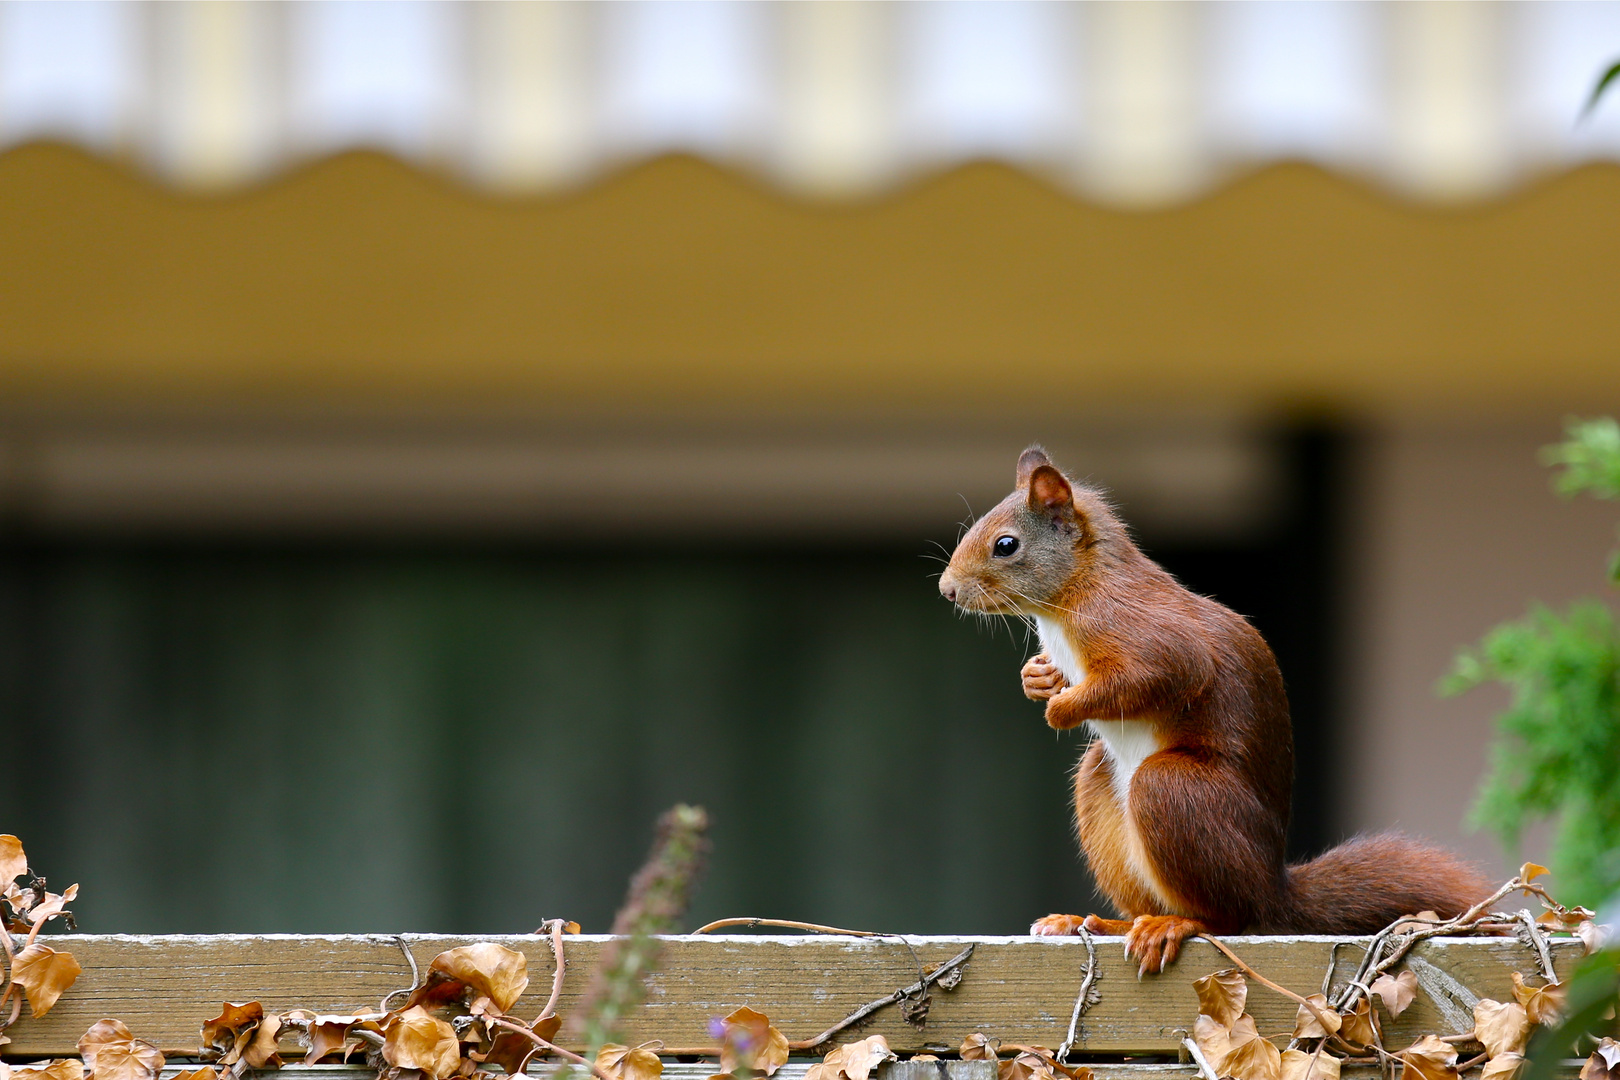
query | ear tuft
[1049, 492]
[1029, 461]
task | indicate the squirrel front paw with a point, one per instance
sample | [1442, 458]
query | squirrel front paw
[1042, 679]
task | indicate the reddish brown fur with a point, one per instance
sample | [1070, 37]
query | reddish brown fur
[1198, 843]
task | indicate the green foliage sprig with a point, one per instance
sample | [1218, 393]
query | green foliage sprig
[1558, 751]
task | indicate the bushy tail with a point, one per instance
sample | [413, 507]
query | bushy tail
[1366, 883]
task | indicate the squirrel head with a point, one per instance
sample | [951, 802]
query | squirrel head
[1047, 536]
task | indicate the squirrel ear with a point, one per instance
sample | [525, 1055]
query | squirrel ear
[1049, 492]
[1029, 461]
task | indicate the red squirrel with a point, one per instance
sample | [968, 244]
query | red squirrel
[1182, 799]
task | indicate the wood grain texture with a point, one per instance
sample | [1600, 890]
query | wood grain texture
[1020, 990]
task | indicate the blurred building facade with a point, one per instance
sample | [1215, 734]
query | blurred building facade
[417, 413]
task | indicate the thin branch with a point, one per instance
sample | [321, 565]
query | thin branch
[557, 975]
[500, 1021]
[1082, 1002]
[1204, 1068]
[788, 924]
[888, 999]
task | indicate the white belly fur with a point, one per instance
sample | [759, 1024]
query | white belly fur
[1128, 742]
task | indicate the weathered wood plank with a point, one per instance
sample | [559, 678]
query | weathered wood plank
[1020, 990]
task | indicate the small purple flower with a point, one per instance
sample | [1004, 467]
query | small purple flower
[717, 1027]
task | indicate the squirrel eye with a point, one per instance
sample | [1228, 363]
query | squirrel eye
[1005, 546]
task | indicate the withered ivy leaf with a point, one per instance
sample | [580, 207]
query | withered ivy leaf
[111, 1052]
[13, 863]
[510, 1050]
[1604, 1064]
[1594, 936]
[1544, 1004]
[1428, 1059]
[1251, 1057]
[978, 1047]
[1299, 1065]
[1026, 1066]
[1222, 996]
[53, 905]
[418, 1040]
[629, 1063]
[43, 973]
[1396, 991]
[328, 1035]
[1501, 1029]
[1530, 871]
[260, 1051]
[204, 1072]
[60, 1069]
[1309, 1025]
[229, 1032]
[751, 1041]
[1360, 1026]
[1212, 1039]
[1503, 1067]
[853, 1061]
[490, 970]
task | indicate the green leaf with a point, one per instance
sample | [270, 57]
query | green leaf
[1603, 84]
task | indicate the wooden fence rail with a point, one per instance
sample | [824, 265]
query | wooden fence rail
[1020, 990]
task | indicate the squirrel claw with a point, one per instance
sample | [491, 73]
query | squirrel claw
[1155, 940]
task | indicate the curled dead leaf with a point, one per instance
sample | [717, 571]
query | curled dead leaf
[749, 1040]
[415, 1039]
[228, 1033]
[1501, 1029]
[60, 1069]
[488, 969]
[1212, 1039]
[853, 1061]
[1026, 1066]
[978, 1047]
[1309, 1023]
[1222, 995]
[13, 863]
[1299, 1065]
[1428, 1059]
[53, 905]
[1544, 1004]
[328, 1037]
[1503, 1067]
[1396, 991]
[43, 973]
[1251, 1057]
[1360, 1026]
[1604, 1064]
[1594, 935]
[111, 1052]
[260, 1051]
[510, 1050]
[629, 1063]
[204, 1072]
[1530, 871]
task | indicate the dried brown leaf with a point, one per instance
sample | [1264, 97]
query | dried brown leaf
[1360, 1027]
[60, 1069]
[1604, 1064]
[510, 1050]
[204, 1072]
[1222, 995]
[1501, 1029]
[53, 905]
[1213, 1040]
[1544, 1004]
[1396, 991]
[13, 863]
[629, 1063]
[978, 1047]
[1428, 1059]
[1530, 871]
[111, 1052]
[1251, 1057]
[751, 1041]
[1503, 1067]
[490, 970]
[1026, 1066]
[43, 973]
[1594, 935]
[260, 1051]
[221, 1033]
[1299, 1065]
[1308, 1023]
[1423, 920]
[328, 1035]
[415, 1039]
[856, 1060]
